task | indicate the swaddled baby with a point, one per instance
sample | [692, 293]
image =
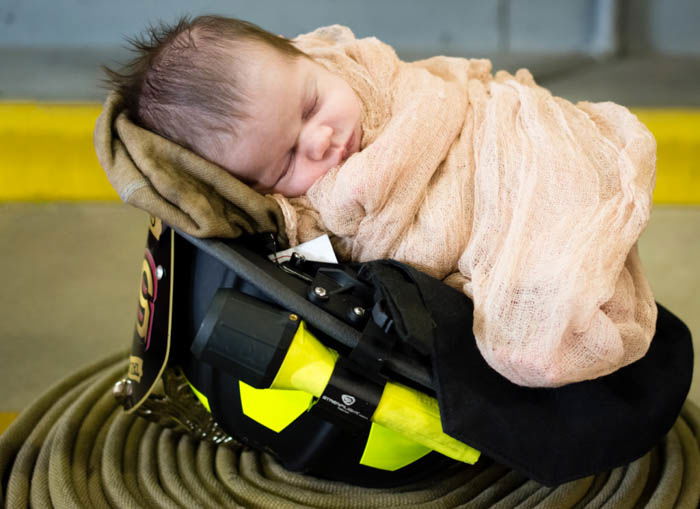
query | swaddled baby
[529, 204]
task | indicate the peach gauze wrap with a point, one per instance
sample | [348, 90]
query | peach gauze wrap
[530, 204]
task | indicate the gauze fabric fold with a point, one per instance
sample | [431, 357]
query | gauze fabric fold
[528, 203]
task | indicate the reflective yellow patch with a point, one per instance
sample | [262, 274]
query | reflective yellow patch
[201, 397]
[307, 365]
[388, 450]
[273, 408]
[417, 416]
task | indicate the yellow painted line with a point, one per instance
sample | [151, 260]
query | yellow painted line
[677, 133]
[6, 419]
[46, 153]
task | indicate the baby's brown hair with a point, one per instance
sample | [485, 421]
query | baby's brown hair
[181, 85]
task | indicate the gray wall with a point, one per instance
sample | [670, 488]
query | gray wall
[464, 27]
[669, 27]
[420, 27]
[674, 26]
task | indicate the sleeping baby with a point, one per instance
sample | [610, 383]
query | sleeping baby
[529, 204]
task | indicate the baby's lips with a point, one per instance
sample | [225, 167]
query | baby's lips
[351, 142]
[348, 149]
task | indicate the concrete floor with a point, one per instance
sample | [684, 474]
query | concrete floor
[70, 279]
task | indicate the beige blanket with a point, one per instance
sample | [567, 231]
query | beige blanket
[530, 204]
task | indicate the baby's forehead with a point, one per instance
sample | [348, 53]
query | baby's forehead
[270, 117]
[271, 77]
[255, 53]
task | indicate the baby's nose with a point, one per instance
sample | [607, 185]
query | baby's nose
[320, 143]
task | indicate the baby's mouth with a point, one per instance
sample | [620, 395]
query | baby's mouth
[349, 146]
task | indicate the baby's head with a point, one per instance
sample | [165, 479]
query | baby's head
[243, 98]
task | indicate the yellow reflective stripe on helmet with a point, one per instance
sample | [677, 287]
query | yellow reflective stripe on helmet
[417, 416]
[308, 364]
[388, 450]
[201, 397]
[273, 408]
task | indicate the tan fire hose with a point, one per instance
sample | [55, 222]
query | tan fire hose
[75, 447]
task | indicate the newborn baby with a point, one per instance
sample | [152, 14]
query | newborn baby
[529, 204]
[245, 99]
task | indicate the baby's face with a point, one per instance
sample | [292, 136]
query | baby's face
[302, 121]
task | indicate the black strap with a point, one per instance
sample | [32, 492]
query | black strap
[350, 398]
[404, 303]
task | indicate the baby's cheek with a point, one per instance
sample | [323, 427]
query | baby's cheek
[298, 185]
[312, 177]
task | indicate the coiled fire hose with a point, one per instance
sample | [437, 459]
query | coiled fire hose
[75, 447]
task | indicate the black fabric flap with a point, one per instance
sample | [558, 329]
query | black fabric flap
[554, 435]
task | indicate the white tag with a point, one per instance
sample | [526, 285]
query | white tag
[316, 250]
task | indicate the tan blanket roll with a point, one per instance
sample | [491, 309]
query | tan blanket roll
[176, 185]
